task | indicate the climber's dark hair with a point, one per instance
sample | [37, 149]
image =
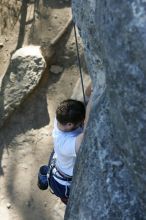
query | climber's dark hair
[70, 110]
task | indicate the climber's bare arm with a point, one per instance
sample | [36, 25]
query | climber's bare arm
[78, 142]
[80, 137]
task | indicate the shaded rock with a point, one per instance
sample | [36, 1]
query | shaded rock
[8, 205]
[77, 91]
[28, 203]
[66, 57]
[1, 45]
[9, 15]
[56, 69]
[55, 16]
[45, 204]
[23, 75]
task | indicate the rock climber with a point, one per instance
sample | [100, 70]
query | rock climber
[67, 135]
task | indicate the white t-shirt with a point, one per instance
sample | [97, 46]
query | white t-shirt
[64, 147]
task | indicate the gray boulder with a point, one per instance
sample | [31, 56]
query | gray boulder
[23, 75]
[110, 173]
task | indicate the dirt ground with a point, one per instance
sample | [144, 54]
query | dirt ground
[25, 139]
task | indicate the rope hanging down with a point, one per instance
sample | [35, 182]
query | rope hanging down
[79, 63]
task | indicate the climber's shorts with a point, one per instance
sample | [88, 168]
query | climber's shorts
[58, 189]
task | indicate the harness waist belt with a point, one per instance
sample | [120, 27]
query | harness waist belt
[60, 175]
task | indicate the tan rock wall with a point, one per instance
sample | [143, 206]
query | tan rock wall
[9, 13]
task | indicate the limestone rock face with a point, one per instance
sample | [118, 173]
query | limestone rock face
[23, 75]
[110, 172]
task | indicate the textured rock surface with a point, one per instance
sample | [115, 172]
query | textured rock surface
[110, 174]
[23, 75]
[56, 69]
[9, 12]
[77, 91]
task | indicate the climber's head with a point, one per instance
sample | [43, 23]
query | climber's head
[70, 114]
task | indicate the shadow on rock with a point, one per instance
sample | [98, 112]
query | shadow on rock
[33, 114]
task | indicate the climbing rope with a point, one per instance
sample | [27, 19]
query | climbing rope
[79, 63]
